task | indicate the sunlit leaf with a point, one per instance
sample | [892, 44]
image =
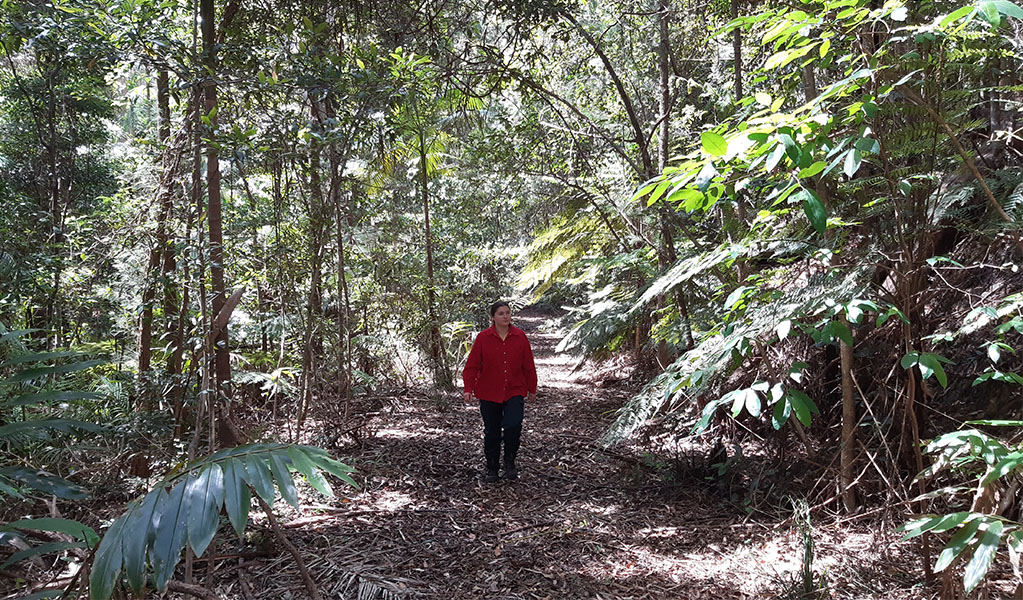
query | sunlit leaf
[852, 162]
[812, 170]
[987, 545]
[957, 544]
[713, 143]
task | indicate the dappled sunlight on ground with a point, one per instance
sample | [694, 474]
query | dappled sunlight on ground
[581, 522]
[391, 501]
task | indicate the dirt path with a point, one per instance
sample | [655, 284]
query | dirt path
[579, 523]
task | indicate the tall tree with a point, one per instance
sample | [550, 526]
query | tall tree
[222, 352]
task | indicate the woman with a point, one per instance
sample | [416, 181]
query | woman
[501, 373]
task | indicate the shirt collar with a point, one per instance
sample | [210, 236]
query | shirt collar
[512, 330]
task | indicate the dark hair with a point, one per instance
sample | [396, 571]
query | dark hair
[497, 305]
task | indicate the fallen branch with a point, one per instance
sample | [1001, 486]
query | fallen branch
[192, 590]
[525, 527]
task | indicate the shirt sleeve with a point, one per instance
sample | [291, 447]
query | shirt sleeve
[529, 368]
[473, 364]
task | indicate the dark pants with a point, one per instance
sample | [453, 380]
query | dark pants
[501, 420]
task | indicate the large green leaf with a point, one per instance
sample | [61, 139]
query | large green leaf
[304, 465]
[812, 170]
[170, 537]
[160, 524]
[930, 363]
[39, 550]
[257, 473]
[802, 405]
[38, 357]
[45, 482]
[282, 475]
[957, 544]
[814, 209]
[987, 545]
[142, 521]
[753, 402]
[237, 498]
[40, 372]
[1010, 462]
[1007, 8]
[781, 413]
[853, 158]
[205, 495]
[16, 334]
[35, 427]
[8, 488]
[335, 467]
[934, 523]
[713, 143]
[79, 531]
[106, 565]
[51, 396]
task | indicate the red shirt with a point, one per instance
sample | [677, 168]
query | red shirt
[500, 369]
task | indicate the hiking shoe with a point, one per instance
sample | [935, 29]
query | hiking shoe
[491, 476]
[510, 472]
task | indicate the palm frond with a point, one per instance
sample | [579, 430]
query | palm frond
[185, 507]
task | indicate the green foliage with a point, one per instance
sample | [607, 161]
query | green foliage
[84, 537]
[990, 466]
[28, 391]
[185, 508]
[745, 330]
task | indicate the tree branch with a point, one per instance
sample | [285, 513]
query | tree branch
[916, 99]
[626, 100]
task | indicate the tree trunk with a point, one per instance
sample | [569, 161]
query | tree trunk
[222, 352]
[344, 333]
[437, 354]
[154, 274]
[171, 300]
[666, 255]
[737, 52]
[145, 340]
[56, 210]
[848, 427]
[318, 222]
[337, 166]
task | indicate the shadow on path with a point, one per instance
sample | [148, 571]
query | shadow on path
[575, 525]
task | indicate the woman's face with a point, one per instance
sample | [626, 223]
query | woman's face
[503, 316]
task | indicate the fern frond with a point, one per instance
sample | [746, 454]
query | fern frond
[714, 357]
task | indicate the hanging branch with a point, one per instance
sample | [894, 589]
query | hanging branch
[916, 99]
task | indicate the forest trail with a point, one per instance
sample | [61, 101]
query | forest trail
[580, 522]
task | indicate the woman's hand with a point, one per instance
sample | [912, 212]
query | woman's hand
[467, 396]
[531, 397]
